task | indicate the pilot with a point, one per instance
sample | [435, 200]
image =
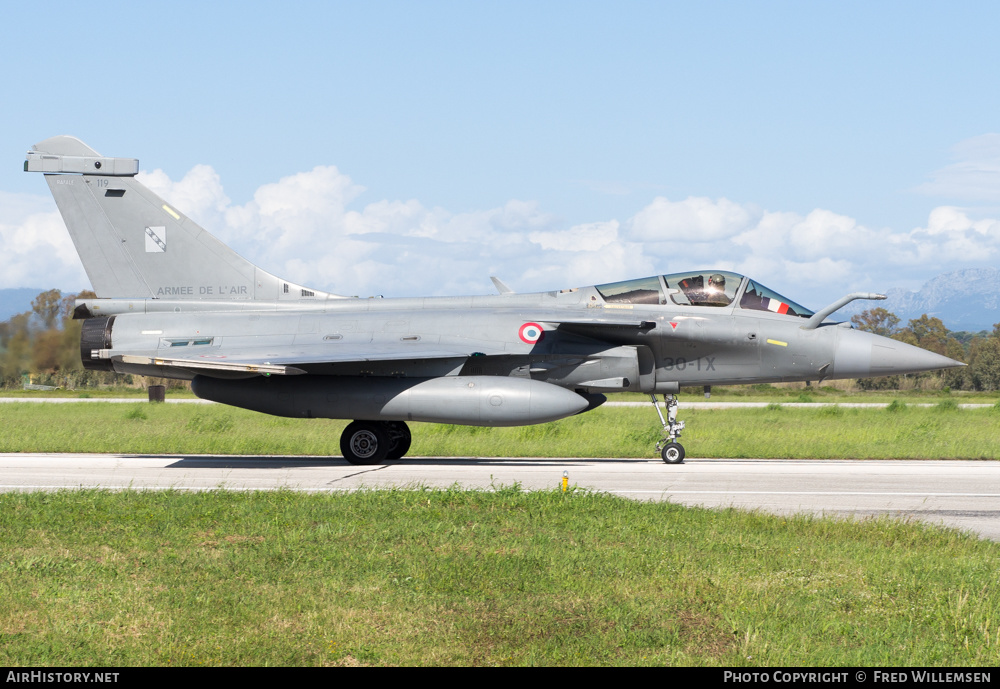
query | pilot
[715, 292]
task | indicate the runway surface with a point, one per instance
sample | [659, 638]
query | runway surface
[961, 494]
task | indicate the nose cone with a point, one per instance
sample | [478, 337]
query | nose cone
[863, 355]
[890, 357]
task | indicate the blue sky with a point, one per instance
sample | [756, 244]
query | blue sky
[418, 147]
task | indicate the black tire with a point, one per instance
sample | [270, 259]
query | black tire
[673, 453]
[399, 439]
[364, 442]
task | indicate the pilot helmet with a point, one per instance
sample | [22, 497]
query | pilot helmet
[717, 280]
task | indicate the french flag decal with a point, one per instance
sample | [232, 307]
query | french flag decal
[777, 306]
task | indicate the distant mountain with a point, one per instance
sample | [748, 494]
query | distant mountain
[964, 300]
[16, 300]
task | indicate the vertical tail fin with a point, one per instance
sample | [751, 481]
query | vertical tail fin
[135, 245]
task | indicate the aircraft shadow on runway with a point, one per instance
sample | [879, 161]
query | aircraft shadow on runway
[271, 462]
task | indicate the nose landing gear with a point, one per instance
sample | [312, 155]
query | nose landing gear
[671, 451]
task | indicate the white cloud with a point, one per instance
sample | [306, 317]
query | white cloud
[590, 237]
[949, 220]
[300, 210]
[950, 238]
[695, 219]
[199, 193]
[303, 229]
[309, 228]
[820, 234]
[976, 174]
[35, 249]
[407, 218]
[814, 257]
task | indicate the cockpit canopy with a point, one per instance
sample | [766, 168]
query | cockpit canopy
[705, 288]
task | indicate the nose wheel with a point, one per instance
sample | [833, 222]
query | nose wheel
[670, 450]
[672, 453]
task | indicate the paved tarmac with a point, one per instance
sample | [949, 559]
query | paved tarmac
[960, 494]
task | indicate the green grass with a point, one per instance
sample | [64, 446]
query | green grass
[838, 393]
[478, 578]
[86, 393]
[898, 432]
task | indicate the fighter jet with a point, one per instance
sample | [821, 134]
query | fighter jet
[173, 301]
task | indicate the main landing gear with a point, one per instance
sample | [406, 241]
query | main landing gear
[670, 450]
[371, 442]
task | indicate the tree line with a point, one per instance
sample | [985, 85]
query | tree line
[44, 343]
[980, 351]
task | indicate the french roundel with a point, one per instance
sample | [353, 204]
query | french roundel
[530, 333]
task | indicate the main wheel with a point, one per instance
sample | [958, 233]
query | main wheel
[399, 438]
[365, 442]
[673, 453]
